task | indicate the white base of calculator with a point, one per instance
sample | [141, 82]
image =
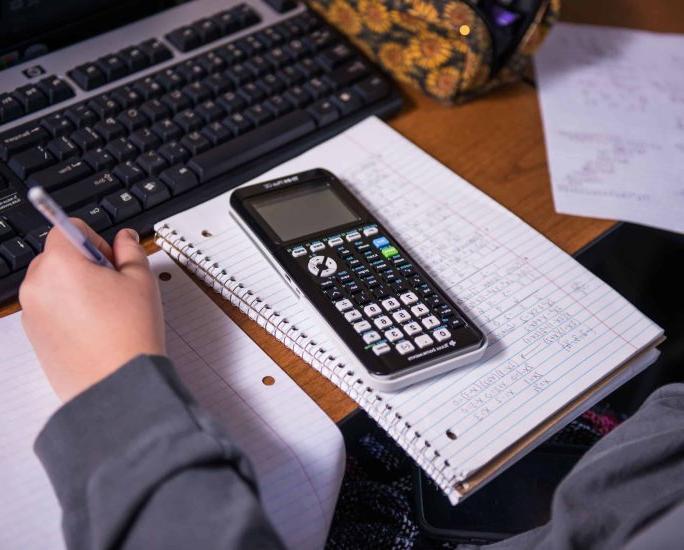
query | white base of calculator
[396, 382]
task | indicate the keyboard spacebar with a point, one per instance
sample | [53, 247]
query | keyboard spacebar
[251, 145]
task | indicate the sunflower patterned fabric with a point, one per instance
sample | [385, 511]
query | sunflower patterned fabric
[441, 46]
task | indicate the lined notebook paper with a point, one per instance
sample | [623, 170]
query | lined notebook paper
[555, 330]
[297, 452]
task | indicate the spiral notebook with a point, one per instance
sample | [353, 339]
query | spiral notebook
[560, 338]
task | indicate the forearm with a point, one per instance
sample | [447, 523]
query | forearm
[135, 464]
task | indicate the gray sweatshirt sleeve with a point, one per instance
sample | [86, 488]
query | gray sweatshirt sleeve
[136, 464]
[627, 492]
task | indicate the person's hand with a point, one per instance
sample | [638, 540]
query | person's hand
[85, 321]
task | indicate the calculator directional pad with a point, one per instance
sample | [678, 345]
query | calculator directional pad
[322, 266]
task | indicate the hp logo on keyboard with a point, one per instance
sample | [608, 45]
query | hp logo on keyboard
[34, 71]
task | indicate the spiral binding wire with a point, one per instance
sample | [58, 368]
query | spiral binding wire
[218, 279]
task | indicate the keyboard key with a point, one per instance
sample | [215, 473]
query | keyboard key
[88, 76]
[81, 116]
[381, 349]
[188, 120]
[155, 110]
[6, 230]
[152, 163]
[179, 179]
[197, 92]
[177, 101]
[94, 216]
[31, 98]
[353, 315]
[151, 192]
[258, 114]
[129, 173]
[58, 125]
[113, 67]
[251, 145]
[17, 253]
[347, 101]
[156, 51]
[121, 206]
[174, 153]
[56, 89]
[145, 140]
[372, 89]
[281, 6]
[109, 129]
[99, 159]
[371, 337]
[86, 138]
[37, 237]
[185, 38]
[167, 130]
[148, 88]
[27, 162]
[217, 133]
[21, 138]
[404, 347]
[60, 174]
[412, 328]
[324, 112]
[210, 111]
[88, 190]
[170, 80]
[133, 119]
[441, 334]
[362, 326]
[349, 73]
[122, 149]
[196, 143]
[207, 29]
[104, 106]
[134, 58]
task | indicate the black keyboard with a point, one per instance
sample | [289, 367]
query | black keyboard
[163, 143]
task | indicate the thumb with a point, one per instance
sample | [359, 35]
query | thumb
[128, 254]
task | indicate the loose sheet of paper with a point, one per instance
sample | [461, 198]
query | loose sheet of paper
[297, 452]
[613, 109]
[554, 329]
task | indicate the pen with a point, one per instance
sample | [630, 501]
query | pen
[57, 217]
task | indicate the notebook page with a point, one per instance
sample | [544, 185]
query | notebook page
[554, 329]
[613, 114]
[297, 452]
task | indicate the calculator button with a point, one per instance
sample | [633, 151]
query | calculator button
[344, 277]
[393, 334]
[371, 282]
[423, 341]
[441, 334]
[322, 266]
[455, 323]
[362, 326]
[315, 247]
[371, 337]
[379, 293]
[419, 310]
[389, 251]
[362, 298]
[390, 304]
[430, 322]
[353, 262]
[381, 242]
[380, 349]
[404, 347]
[401, 316]
[335, 241]
[363, 247]
[353, 315]
[353, 236]
[299, 251]
[353, 288]
[334, 294]
[344, 305]
[371, 310]
[408, 298]
[368, 231]
[412, 328]
[383, 322]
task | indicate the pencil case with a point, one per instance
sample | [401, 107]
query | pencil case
[453, 50]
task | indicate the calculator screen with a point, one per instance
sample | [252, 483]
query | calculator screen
[302, 210]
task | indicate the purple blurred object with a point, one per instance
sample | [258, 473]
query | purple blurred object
[504, 17]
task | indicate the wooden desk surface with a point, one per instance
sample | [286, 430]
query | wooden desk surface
[496, 143]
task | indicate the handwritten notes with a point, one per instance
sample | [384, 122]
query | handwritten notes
[554, 329]
[613, 109]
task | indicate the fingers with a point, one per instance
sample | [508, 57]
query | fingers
[57, 243]
[129, 255]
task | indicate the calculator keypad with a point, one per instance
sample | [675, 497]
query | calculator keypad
[380, 294]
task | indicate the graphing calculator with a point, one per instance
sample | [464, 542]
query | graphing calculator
[382, 307]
